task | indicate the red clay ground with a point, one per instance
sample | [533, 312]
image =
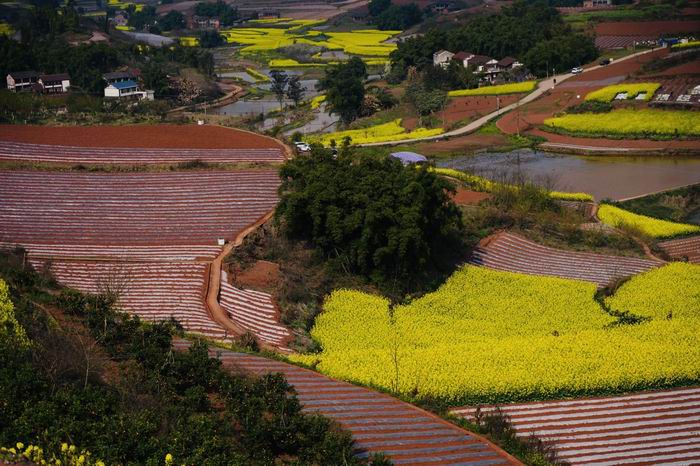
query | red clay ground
[145, 136]
[640, 28]
[564, 95]
[262, 275]
[467, 197]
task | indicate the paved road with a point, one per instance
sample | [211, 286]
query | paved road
[542, 87]
[377, 422]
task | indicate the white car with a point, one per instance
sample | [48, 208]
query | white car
[577, 70]
[302, 146]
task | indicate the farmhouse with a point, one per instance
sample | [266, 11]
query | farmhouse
[129, 88]
[22, 81]
[203, 22]
[119, 76]
[442, 58]
[55, 83]
[597, 3]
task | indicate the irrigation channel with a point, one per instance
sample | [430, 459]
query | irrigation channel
[610, 176]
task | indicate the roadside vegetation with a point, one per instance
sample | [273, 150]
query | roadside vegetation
[74, 368]
[514, 88]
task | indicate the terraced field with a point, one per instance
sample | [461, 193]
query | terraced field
[153, 291]
[377, 422]
[644, 428]
[18, 151]
[683, 248]
[254, 311]
[119, 209]
[513, 253]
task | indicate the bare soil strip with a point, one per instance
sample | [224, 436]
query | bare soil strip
[513, 253]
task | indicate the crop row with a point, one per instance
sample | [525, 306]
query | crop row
[131, 155]
[492, 336]
[632, 90]
[391, 131]
[629, 122]
[654, 227]
[153, 291]
[119, 209]
[513, 88]
[479, 183]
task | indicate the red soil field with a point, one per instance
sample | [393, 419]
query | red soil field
[377, 422]
[146, 136]
[261, 275]
[640, 28]
[467, 197]
[119, 209]
[658, 427]
[513, 253]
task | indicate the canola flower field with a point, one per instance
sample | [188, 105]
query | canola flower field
[5, 29]
[608, 93]
[514, 88]
[317, 101]
[686, 45]
[492, 336]
[479, 183]
[654, 227]
[630, 122]
[391, 131]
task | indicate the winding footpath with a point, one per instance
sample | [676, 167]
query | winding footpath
[542, 87]
[377, 422]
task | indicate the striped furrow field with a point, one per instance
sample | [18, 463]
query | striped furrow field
[661, 427]
[513, 253]
[153, 291]
[255, 311]
[683, 248]
[19, 151]
[134, 209]
[122, 253]
[377, 422]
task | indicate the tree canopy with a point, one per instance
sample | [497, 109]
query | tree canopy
[529, 30]
[344, 86]
[369, 215]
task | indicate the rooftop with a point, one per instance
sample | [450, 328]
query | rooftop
[124, 84]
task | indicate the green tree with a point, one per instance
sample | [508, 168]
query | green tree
[210, 39]
[377, 7]
[370, 215]
[172, 20]
[295, 91]
[278, 84]
[344, 88]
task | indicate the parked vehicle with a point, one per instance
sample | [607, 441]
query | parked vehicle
[302, 146]
[605, 61]
[577, 70]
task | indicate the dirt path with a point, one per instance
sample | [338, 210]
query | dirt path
[376, 421]
[214, 284]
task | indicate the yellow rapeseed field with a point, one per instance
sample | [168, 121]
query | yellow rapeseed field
[669, 292]
[392, 131]
[317, 101]
[608, 93]
[654, 227]
[487, 335]
[686, 45]
[514, 88]
[630, 122]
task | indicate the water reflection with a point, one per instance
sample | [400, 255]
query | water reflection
[610, 176]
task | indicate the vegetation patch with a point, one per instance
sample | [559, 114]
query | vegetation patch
[686, 45]
[514, 88]
[617, 217]
[629, 123]
[387, 132]
[631, 91]
[491, 336]
[479, 183]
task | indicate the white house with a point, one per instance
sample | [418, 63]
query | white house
[21, 81]
[463, 58]
[55, 83]
[127, 89]
[442, 58]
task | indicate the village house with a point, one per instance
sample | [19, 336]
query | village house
[119, 76]
[54, 83]
[22, 80]
[203, 22]
[123, 89]
[442, 58]
[597, 3]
